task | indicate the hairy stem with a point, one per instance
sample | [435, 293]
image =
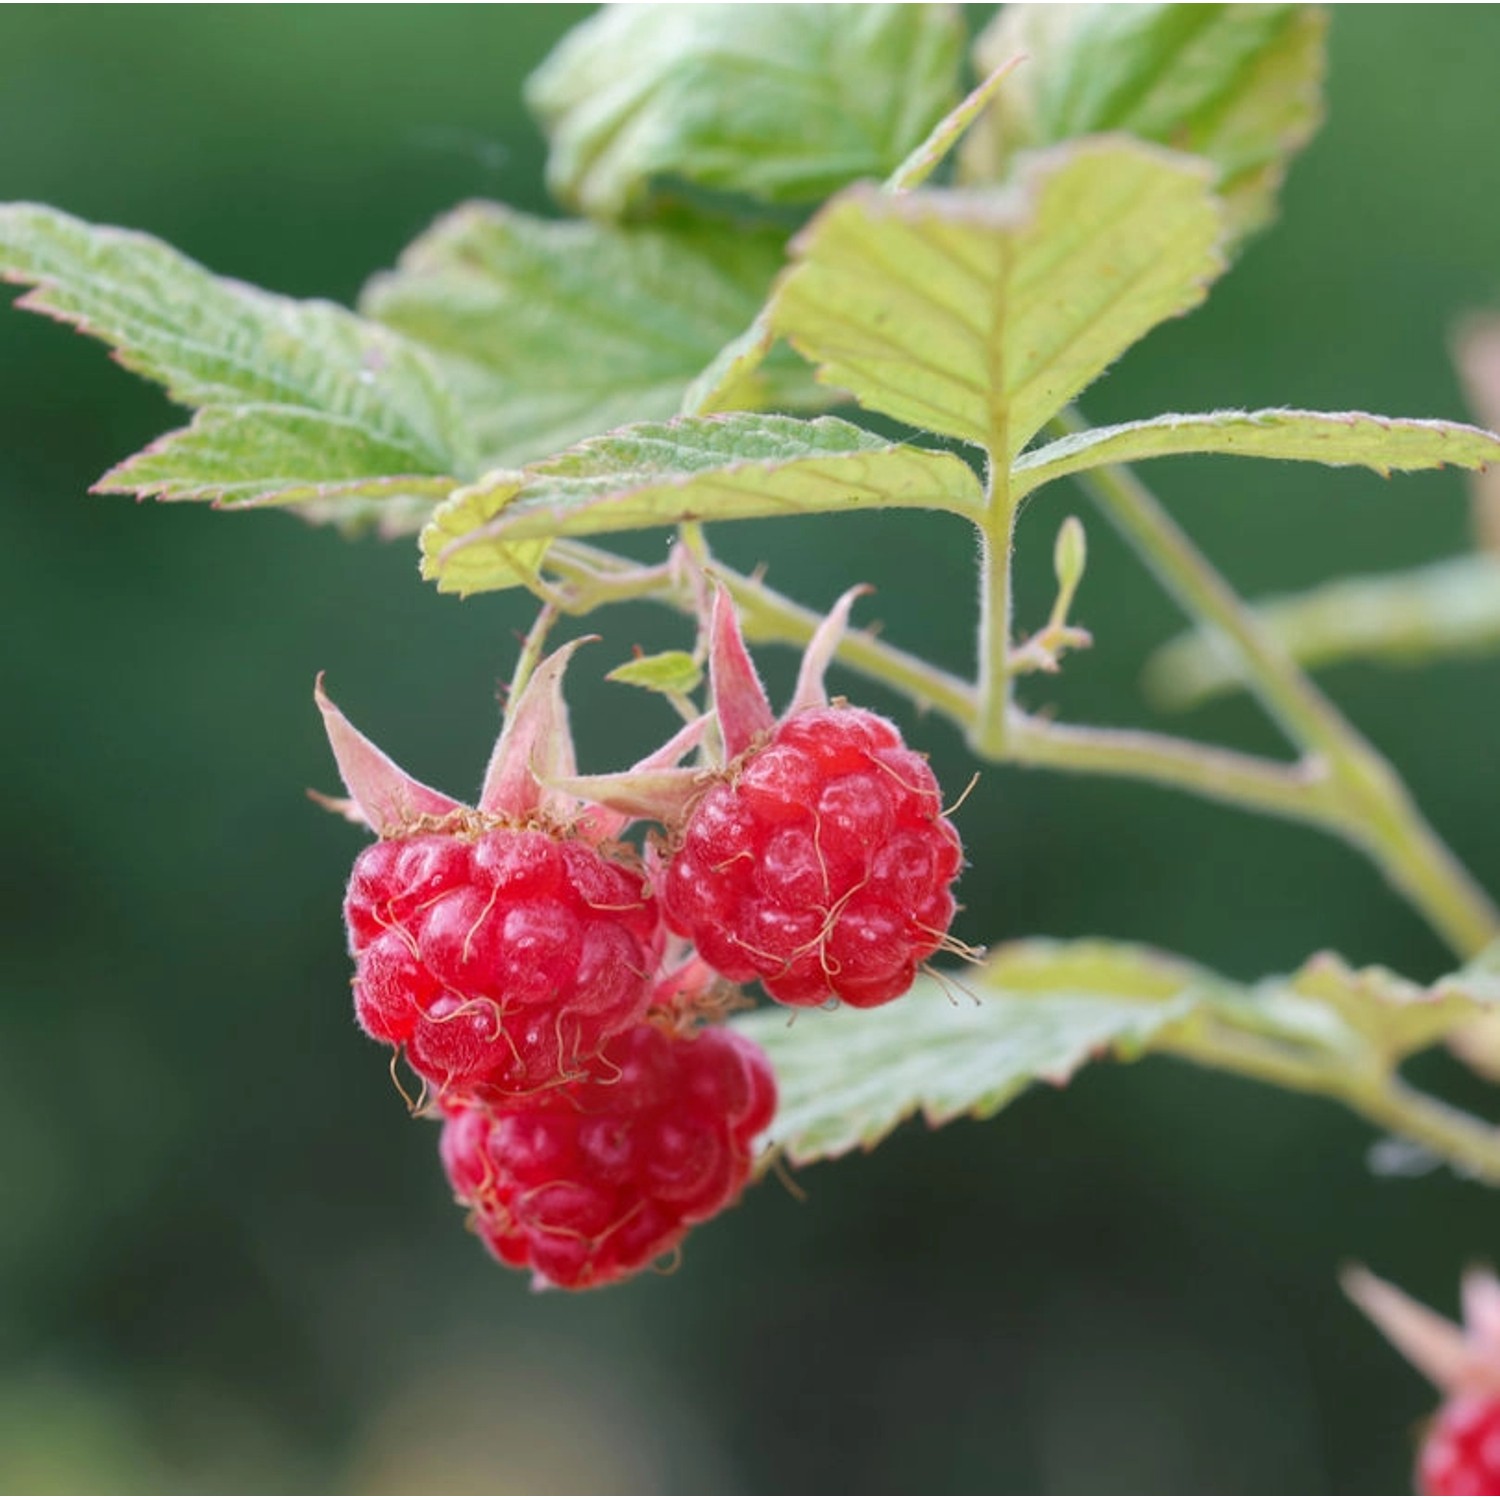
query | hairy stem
[991, 724]
[1374, 1091]
[1299, 791]
[1371, 806]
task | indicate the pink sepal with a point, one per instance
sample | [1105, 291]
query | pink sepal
[606, 817]
[535, 747]
[810, 692]
[1454, 1359]
[740, 702]
[386, 798]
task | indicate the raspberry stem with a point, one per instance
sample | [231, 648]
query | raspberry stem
[1350, 786]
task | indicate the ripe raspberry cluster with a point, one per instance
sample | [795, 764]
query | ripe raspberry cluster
[1461, 1451]
[518, 954]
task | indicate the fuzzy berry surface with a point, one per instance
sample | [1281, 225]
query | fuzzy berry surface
[822, 865]
[1461, 1451]
[500, 962]
[589, 1183]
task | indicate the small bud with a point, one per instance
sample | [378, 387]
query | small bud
[1069, 558]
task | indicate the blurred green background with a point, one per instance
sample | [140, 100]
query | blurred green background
[227, 1258]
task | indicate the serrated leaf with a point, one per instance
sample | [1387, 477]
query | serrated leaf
[1238, 84]
[980, 314]
[786, 103]
[1448, 608]
[672, 672]
[721, 468]
[1339, 439]
[1036, 1012]
[550, 331]
[331, 401]
[244, 456]
[465, 513]
[739, 360]
[1392, 1015]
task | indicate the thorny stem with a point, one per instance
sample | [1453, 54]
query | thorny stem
[1357, 791]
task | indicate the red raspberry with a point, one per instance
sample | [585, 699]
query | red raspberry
[590, 1182]
[822, 866]
[1461, 1452]
[501, 961]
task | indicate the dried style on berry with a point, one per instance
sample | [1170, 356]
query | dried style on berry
[1460, 1452]
[591, 1182]
[499, 945]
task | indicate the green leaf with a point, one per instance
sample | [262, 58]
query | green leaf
[786, 103]
[551, 331]
[737, 362]
[1393, 1016]
[722, 468]
[1449, 608]
[671, 672]
[1036, 1011]
[1238, 84]
[1343, 438]
[449, 551]
[980, 314]
[299, 400]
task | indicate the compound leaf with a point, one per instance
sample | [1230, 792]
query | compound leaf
[550, 331]
[299, 400]
[1037, 1011]
[980, 314]
[1238, 84]
[786, 103]
[1342, 438]
[733, 467]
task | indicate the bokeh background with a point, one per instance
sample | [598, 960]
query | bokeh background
[228, 1259]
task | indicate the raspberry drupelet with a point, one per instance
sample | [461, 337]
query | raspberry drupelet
[592, 1181]
[819, 861]
[500, 946]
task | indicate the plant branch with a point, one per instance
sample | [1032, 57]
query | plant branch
[1299, 791]
[1374, 809]
[597, 577]
[1373, 1090]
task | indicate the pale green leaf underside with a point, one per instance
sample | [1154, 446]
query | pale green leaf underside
[734, 467]
[1038, 1010]
[550, 331]
[1238, 84]
[780, 102]
[1449, 608]
[334, 398]
[1384, 444]
[980, 314]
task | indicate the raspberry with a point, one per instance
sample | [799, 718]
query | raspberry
[501, 961]
[1461, 1452]
[592, 1181]
[822, 866]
